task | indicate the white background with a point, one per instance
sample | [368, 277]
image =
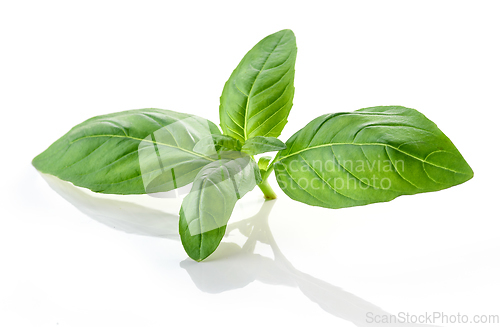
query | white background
[62, 264]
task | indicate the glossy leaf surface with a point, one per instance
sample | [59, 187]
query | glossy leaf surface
[207, 208]
[130, 152]
[366, 156]
[257, 98]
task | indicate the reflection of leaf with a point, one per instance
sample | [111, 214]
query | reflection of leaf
[118, 215]
[206, 209]
[123, 152]
[366, 156]
[222, 277]
[236, 267]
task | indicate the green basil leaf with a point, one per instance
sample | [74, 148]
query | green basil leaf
[130, 152]
[366, 156]
[207, 208]
[264, 162]
[257, 98]
[212, 144]
[261, 144]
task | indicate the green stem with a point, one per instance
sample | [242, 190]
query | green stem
[267, 190]
[264, 185]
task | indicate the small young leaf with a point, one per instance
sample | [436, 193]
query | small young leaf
[205, 211]
[261, 144]
[258, 96]
[212, 144]
[366, 156]
[130, 152]
[264, 162]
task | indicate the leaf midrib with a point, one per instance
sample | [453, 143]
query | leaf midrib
[376, 144]
[253, 84]
[144, 140]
